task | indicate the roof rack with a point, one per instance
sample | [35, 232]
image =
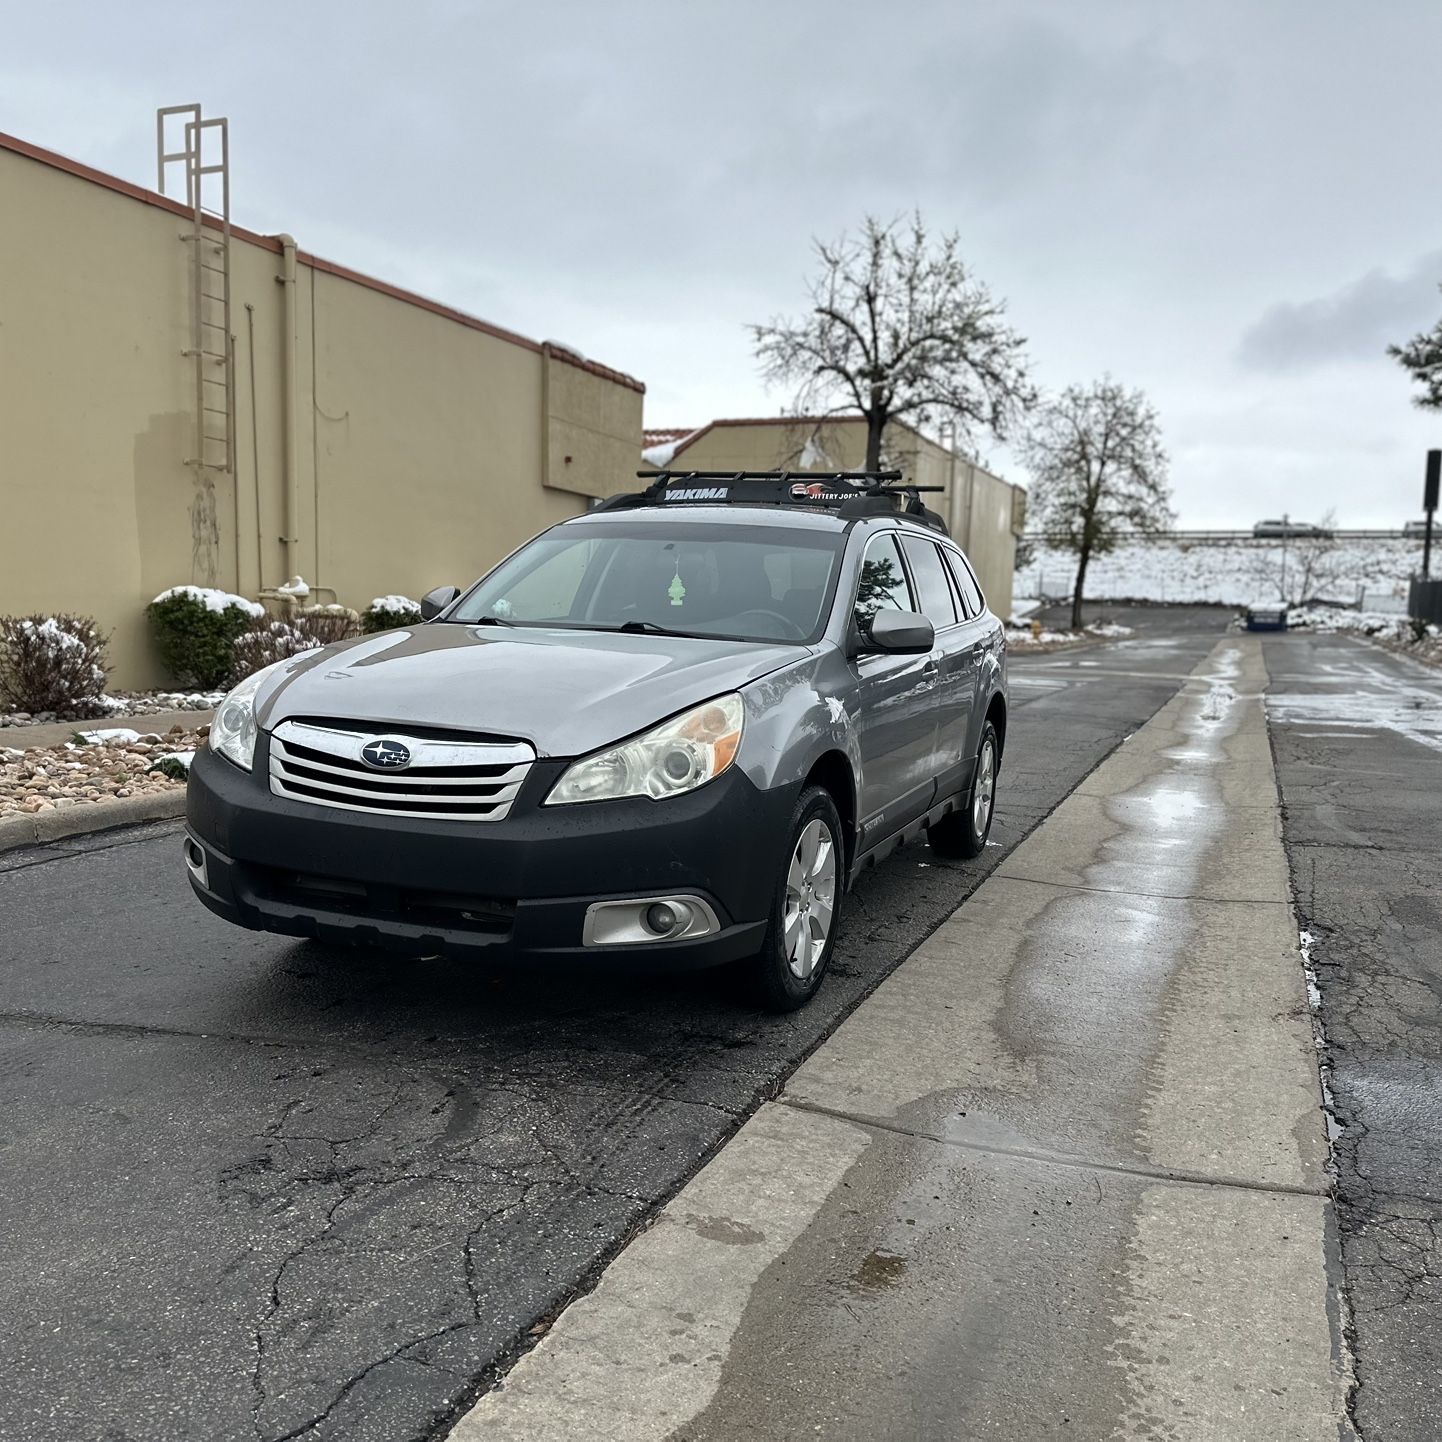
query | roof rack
[849, 493]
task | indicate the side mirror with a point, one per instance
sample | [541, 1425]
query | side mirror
[434, 602]
[902, 633]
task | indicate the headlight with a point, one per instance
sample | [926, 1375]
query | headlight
[679, 755]
[232, 733]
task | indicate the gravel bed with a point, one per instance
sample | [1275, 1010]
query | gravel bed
[52, 778]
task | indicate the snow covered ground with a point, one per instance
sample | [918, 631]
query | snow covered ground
[1022, 638]
[1234, 573]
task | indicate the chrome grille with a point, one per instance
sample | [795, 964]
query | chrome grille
[456, 780]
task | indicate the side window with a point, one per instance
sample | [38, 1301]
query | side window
[883, 581]
[936, 602]
[965, 583]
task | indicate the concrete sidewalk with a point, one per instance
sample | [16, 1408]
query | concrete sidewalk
[1064, 1174]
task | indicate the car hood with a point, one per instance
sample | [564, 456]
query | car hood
[566, 692]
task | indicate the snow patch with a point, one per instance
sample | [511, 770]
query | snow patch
[661, 456]
[664, 452]
[813, 457]
[403, 604]
[1232, 573]
[1354, 694]
[213, 599]
[110, 736]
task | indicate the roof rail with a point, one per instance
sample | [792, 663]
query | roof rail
[848, 493]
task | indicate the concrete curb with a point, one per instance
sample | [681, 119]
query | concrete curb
[56, 733]
[47, 826]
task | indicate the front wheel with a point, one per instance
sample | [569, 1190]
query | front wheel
[963, 833]
[804, 908]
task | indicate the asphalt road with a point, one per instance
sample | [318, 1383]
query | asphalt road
[255, 1188]
[1357, 737]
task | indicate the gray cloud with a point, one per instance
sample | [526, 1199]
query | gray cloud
[642, 178]
[1356, 323]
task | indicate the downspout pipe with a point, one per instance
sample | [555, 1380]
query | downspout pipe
[290, 455]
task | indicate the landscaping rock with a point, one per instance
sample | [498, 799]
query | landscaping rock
[70, 776]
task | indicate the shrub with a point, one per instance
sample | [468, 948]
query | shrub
[271, 639]
[195, 629]
[52, 663]
[325, 624]
[385, 613]
[265, 642]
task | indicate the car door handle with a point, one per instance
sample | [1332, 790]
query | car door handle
[931, 671]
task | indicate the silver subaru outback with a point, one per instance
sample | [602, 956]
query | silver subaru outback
[674, 730]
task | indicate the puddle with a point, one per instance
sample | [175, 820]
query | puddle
[1172, 805]
[1087, 995]
[1362, 697]
[878, 1272]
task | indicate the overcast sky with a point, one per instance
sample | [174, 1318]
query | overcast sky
[1233, 204]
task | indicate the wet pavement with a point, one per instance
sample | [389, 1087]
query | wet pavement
[1063, 1174]
[260, 1189]
[1357, 734]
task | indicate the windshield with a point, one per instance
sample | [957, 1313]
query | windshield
[753, 583]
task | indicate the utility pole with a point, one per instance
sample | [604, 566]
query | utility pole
[1429, 504]
[1286, 527]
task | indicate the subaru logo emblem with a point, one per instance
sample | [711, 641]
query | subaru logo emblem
[386, 755]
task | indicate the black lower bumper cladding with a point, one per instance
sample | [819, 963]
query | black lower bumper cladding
[516, 888]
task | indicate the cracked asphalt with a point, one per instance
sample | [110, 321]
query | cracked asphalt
[256, 1188]
[1357, 738]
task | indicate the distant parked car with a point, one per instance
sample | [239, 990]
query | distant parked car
[1276, 530]
[1266, 618]
[1419, 528]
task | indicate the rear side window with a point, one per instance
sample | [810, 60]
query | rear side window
[965, 583]
[883, 581]
[930, 575]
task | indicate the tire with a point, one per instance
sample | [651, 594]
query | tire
[787, 971]
[962, 834]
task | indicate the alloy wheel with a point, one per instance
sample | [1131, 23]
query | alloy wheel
[810, 898]
[985, 790]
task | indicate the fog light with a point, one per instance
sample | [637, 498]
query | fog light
[648, 921]
[664, 917]
[195, 863]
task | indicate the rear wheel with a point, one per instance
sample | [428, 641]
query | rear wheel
[963, 833]
[802, 932]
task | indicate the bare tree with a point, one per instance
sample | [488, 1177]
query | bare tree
[899, 329]
[1303, 568]
[1099, 470]
[1422, 355]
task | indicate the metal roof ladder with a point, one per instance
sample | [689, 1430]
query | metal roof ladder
[204, 155]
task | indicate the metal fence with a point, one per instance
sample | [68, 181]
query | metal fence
[1424, 601]
[1223, 538]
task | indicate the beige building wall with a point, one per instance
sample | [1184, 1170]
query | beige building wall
[426, 444]
[984, 513]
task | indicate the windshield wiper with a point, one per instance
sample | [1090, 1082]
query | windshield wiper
[651, 628]
[490, 621]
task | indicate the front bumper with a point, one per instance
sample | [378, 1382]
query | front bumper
[519, 887]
